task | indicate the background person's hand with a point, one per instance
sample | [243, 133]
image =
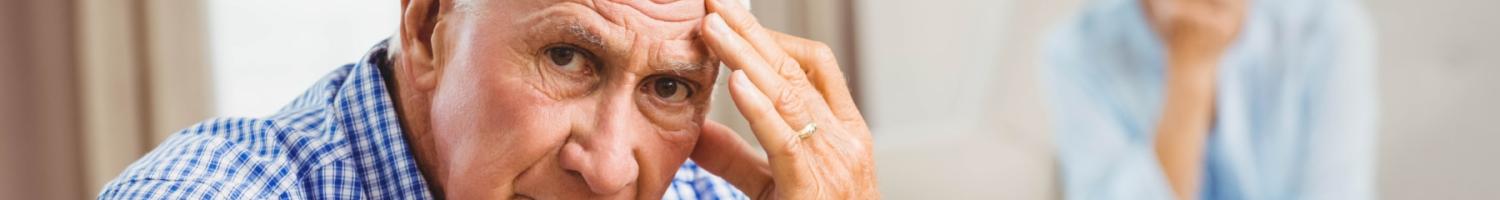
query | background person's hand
[1196, 30]
[783, 85]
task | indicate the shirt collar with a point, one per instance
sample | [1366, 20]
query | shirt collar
[364, 110]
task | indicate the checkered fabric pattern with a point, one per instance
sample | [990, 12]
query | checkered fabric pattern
[339, 140]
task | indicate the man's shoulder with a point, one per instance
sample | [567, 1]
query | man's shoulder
[249, 156]
[296, 136]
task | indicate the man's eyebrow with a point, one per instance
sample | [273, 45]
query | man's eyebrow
[584, 34]
[590, 36]
[680, 67]
[679, 57]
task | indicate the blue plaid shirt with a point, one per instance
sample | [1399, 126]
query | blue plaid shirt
[339, 140]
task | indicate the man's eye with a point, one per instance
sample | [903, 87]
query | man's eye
[669, 89]
[569, 59]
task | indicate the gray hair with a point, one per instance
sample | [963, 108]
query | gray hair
[467, 6]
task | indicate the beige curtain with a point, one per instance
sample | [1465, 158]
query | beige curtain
[82, 93]
[39, 149]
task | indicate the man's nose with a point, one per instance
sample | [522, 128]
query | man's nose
[602, 152]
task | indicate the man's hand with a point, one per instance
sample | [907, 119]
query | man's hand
[795, 97]
[1196, 32]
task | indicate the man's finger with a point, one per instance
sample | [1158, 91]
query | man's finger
[779, 141]
[770, 129]
[823, 71]
[723, 153]
[746, 26]
[790, 101]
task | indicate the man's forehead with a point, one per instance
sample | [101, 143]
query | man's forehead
[661, 19]
[657, 19]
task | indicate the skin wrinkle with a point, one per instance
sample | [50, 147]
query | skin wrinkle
[621, 13]
[583, 29]
[662, 14]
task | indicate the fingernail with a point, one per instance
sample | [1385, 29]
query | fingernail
[717, 24]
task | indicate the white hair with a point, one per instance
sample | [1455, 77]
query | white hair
[467, 7]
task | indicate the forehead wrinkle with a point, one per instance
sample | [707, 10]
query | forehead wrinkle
[565, 18]
[664, 10]
[677, 19]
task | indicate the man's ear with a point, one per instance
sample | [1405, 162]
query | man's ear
[421, 42]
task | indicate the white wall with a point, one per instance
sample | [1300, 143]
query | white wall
[1440, 85]
[266, 52]
[951, 92]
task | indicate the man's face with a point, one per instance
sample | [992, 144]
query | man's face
[568, 99]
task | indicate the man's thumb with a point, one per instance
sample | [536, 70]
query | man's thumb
[724, 153]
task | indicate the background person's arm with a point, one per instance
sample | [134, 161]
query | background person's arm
[1185, 120]
[1196, 33]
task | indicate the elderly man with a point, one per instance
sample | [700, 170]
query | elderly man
[564, 99]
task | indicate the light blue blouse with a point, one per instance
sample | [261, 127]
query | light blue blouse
[1295, 104]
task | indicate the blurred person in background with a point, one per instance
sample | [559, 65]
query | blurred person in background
[478, 99]
[1214, 99]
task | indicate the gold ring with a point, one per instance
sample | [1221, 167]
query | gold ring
[807, 130]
